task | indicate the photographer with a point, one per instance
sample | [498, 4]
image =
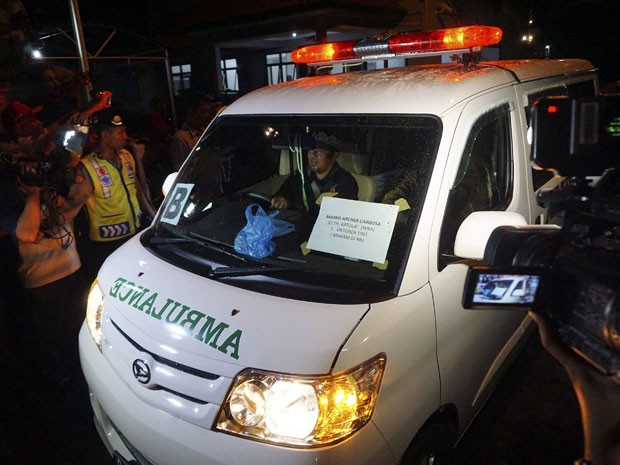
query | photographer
[47, 270]
[599, 401]
[46, 266]
[36, 173]
[577, 310]
[574, 269]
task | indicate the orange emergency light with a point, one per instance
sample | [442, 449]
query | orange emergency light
[454, 40]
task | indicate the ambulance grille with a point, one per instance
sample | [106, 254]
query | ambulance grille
[166, 361]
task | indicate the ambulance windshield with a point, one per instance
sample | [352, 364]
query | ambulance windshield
[342, 196]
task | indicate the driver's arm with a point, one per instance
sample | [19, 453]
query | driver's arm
[286, 195]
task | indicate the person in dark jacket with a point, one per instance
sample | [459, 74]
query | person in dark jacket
[324, 175]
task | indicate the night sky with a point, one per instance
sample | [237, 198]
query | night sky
[573, 28]
[583, 29]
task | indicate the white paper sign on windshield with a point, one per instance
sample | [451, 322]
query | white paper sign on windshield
[355, 229]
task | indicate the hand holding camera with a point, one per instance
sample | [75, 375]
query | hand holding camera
[598, 396]
[103, 100]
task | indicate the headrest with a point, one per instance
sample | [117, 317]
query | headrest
[353, 162]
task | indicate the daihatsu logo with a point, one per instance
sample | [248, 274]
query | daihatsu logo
[141, 371]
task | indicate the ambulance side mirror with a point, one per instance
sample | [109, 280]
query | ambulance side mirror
[165, 188]
[474, 232]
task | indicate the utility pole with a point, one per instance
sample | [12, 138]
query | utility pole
[76, 22]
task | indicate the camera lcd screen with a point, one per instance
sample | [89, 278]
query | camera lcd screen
[489, 287]
[74, 141]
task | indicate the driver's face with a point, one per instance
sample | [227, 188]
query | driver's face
[320, 161]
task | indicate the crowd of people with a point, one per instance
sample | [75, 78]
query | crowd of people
[66, 203]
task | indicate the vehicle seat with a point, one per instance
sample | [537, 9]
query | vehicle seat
[365, 186]
[357, 165]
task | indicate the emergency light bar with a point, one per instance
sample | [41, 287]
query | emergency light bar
[454, 40]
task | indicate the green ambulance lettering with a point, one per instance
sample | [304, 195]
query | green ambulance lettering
[233, 342]
[130, 288]
[116, 286]
[158, 314]
[192, 319]
[210, 332]
[180, 315]
[134, 294]
[147, 305]
[170, 318]
[137, 295]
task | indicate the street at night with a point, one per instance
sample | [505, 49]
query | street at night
[531, 418]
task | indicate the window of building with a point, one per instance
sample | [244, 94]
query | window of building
[181, 77]
[338, 68]
[280, 68]
[230, 75]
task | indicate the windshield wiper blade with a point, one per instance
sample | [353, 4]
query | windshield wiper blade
[195, 239]
[222, 271]
[232, 271]
[159, 240]
[212, 245]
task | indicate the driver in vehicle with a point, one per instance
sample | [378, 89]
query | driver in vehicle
[325, 176]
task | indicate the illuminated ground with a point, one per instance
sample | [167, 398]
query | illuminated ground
[532, 418]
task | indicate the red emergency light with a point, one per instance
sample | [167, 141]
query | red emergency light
[454, 40]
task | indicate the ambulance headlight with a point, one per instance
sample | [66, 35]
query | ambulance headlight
[94, 312]
[301, 411]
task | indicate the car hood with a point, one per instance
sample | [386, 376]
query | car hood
[161, 307]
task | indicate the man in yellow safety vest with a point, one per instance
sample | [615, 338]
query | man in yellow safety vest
[106, 183]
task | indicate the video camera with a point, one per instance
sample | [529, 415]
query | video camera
[570, 275]
[40, 170]
[47, 171]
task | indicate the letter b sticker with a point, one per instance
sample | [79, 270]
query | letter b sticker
[176, 203]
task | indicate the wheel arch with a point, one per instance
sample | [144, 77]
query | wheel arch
[445, 419]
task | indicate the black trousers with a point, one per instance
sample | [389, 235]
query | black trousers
[94, 253]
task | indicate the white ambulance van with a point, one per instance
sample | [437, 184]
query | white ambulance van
[343, 340]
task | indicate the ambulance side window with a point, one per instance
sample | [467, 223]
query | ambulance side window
[484, 178]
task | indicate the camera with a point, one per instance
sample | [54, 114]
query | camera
[47, 171]
[569, 274]
[51, 171]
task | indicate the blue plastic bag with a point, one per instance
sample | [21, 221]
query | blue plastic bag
[255, 239]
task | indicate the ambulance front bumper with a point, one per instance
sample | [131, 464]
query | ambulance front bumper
[135, 431]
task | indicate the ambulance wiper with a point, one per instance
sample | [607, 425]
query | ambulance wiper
[192, 239]
[158, 240]
[233, 271]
